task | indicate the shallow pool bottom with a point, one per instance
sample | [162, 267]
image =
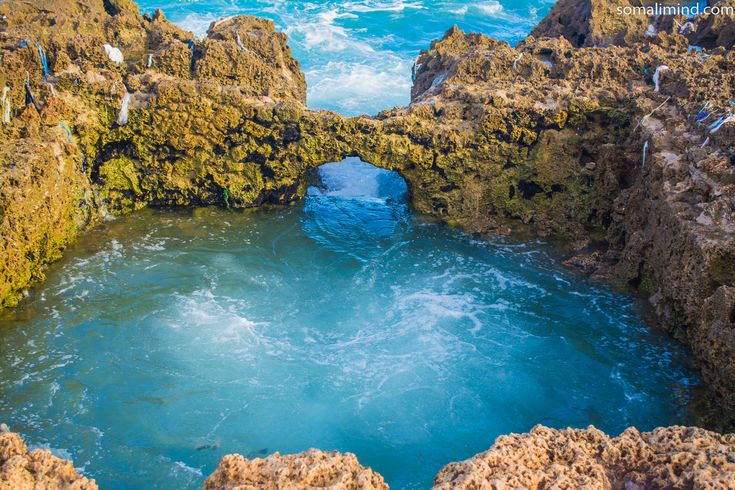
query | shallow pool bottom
[167, 339]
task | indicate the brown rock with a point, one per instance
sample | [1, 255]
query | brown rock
[670, 457]
[311, 469]
[716, 30]
[38, 469]
[588, 23]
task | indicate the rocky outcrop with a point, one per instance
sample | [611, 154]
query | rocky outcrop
[41, 207]
[310, 469]
[600, 23]
[711, 31]
[38, 469]
[670, 457]
[587, 23]
[219, 121]
[620, 147]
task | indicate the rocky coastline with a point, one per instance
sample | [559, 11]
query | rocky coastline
[610, 135]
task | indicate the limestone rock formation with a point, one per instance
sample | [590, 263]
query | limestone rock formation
[670, 457]
[311, 469]
[599, 23]
[587, 23]
[199, 118]
[38, 469]
[711, 31]
[42, 206]
[250, 51]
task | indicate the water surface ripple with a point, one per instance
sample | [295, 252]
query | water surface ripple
[167, 339]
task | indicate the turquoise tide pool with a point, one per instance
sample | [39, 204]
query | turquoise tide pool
[165, 340]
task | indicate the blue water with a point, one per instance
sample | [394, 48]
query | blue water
[167, 339]
[357, 55]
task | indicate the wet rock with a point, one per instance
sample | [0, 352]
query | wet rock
[38, 469]
[586, 263]
[310, 469]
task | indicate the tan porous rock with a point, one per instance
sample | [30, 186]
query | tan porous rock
[312, 469]
[667, 457]
[36, 470]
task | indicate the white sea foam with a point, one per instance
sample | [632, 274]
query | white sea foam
[382, 6]
[440, 306]
[217, 320]
[355, 88]
[188, 469]
[351, 179]
[198, 23]
[490, 7]
[322, 33]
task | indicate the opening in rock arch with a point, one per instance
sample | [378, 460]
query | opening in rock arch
[355, 208]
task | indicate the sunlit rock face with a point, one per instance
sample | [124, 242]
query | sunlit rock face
[21, 469]
[310, 469]
[587, 23]
[598, 23]
[670, 457]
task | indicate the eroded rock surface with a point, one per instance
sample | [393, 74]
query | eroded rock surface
[218, 121]
[310, 469]
[38, 469]
[670, 457]
[587, 23]
[600, 23]
[590, 145]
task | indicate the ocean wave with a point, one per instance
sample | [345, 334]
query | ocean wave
[490, 7]
[198, 23]
[381, 6]
[220, 317]
[322, 33]
[356, 88]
